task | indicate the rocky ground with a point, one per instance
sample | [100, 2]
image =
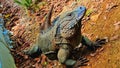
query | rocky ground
[102, 20]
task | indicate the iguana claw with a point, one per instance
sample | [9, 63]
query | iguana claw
[81, 62]
[99, 42]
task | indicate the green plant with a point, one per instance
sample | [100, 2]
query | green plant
[88, 12]
[78, 0]
[24, 3]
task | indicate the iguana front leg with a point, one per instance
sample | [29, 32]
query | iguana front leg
[92, 45]
[63, 57]
[63, 53]
[33, 51]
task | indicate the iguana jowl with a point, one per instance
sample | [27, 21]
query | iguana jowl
[63, 35]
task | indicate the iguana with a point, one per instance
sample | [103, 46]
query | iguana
[6, 59]
[62, 36]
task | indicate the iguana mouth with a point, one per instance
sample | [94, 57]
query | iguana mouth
[81, 12]
[76, 17]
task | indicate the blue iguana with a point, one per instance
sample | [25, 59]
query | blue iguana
[6, 59]
[62, 36]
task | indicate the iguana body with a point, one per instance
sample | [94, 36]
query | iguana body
[64, 35]
[6, 59]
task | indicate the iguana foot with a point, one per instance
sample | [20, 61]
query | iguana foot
[81, 62]
[99, 42]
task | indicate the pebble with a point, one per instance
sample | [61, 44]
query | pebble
[117, 26]
[93, 54]
[114, 38]
[110, 6]
[95, 17]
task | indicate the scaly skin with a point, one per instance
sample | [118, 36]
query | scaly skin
[6, 59]
[62, 37]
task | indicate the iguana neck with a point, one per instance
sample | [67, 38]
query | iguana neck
[76, 39]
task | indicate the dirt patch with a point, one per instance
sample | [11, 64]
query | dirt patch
[101, 21]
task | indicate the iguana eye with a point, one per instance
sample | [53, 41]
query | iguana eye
[70, 14]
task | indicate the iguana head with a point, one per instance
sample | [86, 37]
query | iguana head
[67, 23]
[70, 22]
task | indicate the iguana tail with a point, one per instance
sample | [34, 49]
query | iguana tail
[6, 59]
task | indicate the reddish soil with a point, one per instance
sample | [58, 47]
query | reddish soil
[102, 20]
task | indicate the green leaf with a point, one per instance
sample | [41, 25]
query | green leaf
[88, 12]
[45, 63]
[25, 3]
[78, 0]
[18, 2]
[29, 1]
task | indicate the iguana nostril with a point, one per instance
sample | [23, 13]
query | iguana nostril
[80, 7]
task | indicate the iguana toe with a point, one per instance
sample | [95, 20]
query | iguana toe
[81, 62]
[99, 42]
